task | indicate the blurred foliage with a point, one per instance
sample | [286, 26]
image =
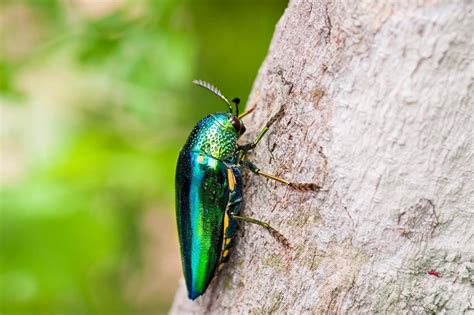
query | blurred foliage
[96, 101]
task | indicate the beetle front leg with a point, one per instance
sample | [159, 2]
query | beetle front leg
[250, 146]
[282, 239]
[298, 186]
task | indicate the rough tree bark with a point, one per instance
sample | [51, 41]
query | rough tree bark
[378, 98]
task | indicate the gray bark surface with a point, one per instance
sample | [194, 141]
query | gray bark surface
[378, 111]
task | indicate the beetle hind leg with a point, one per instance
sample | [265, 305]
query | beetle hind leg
[280, 237]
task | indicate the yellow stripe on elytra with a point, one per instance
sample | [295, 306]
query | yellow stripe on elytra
[231, 179]
[226, 222]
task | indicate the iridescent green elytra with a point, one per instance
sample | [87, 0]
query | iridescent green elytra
[209, 192]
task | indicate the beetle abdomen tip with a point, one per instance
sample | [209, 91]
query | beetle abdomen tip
[194, 295]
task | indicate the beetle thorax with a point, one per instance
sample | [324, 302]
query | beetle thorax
[215, 136]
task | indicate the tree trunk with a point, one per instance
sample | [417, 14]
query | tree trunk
[378, 111]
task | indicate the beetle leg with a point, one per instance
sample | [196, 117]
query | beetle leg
[298, 186]
[250, 146]
[252, 107]
[265, 225]
[248, 111]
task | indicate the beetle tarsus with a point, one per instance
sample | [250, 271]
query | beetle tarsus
[280, 237]
[305, 186]
[275, 117]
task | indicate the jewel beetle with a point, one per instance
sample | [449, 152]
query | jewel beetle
[209, 192]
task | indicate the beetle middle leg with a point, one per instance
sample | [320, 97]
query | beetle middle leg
[298, 186]
[282, 239]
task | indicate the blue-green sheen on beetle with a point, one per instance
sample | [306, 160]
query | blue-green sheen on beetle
[209, 192]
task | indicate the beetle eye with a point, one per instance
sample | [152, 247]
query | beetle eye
[242, 129]
[235, 122]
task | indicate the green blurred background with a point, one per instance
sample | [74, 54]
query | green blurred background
[96, 100]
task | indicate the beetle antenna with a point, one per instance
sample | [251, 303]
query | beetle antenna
[214, 90]
[236, 102]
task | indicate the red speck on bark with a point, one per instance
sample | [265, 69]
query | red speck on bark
[433, 272]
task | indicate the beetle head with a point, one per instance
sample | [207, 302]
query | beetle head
[234, 120]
